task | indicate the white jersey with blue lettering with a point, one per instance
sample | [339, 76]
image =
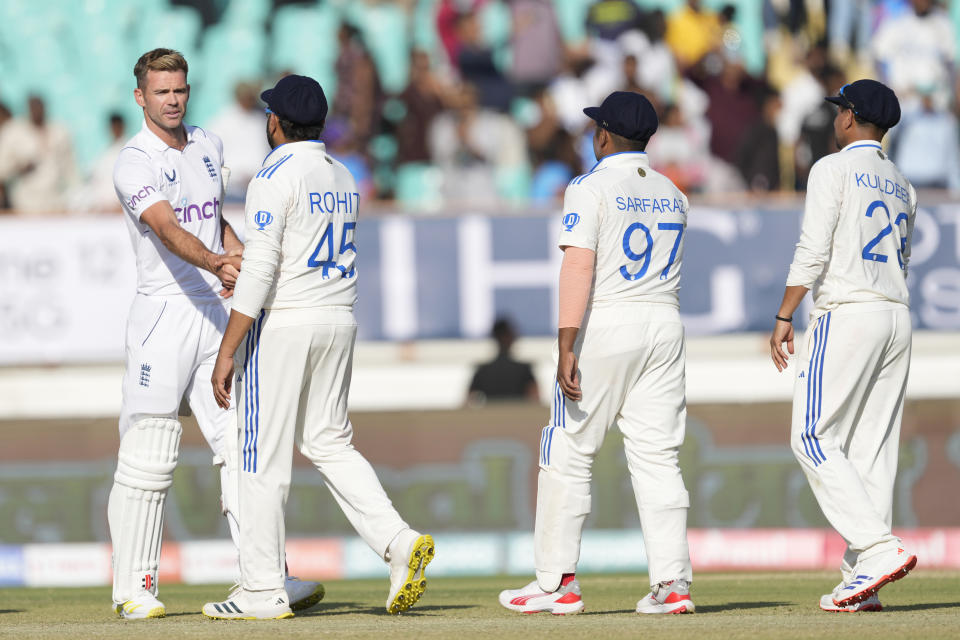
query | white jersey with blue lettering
[857, 226]
[301, 213]
[634, 219]
[148, 171]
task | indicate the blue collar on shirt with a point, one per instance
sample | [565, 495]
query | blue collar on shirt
[618, 153]
[863, 143]
[285, 144]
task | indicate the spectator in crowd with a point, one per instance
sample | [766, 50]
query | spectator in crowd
[448, 14]
[36, 162]
[733, 102]
[692, 32]
[477, 67]
[817, 137]
[849, 27]
[359, 98]
[503, 378]
[919, 41]
[537, 45]
[802, 94]
[925, 145]
[681, 149]
[475, 148]
[758, 154]
[610, 19]
[658, 72]
[98, 194]
[240, 126]
[423, 99]
[552, 151]
[5, 117]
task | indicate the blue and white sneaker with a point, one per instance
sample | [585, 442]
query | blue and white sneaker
[873, 573]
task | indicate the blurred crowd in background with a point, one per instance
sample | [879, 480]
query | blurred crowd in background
[442, 105]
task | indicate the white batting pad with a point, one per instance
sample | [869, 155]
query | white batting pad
[562, 507]
[147, 458]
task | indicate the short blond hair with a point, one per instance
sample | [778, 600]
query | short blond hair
[158, 60]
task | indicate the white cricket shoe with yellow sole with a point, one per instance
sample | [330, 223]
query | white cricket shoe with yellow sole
[303, 594]
[251, 605]
[410, 553]
[145, 605]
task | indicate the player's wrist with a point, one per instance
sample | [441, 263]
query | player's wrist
[787, 319]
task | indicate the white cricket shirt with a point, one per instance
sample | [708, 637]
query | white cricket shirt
[857, 223]
[301, 213]
[148, 171]
[634, 219]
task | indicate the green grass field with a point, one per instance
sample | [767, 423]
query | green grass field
[744, 605]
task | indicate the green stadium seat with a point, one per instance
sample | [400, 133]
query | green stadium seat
[418, 187]
[304, 41]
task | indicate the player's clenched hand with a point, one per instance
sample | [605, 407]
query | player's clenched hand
[782, 332]
[222, 380]
[568, 377]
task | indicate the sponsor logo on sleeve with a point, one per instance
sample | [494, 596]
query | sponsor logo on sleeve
[170, 177]
[571, 220]
[262, 218]
[139, 196]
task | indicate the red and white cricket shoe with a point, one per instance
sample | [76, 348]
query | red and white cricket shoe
[870, 604]
[533, 599]
[873, 573]
[667, 597]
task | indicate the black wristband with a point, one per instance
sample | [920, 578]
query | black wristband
[782, 319]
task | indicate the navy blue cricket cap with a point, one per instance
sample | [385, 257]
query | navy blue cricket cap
[626, 114]
[873, 101]
[298, 99]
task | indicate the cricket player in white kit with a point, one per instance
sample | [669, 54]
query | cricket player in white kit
[621, 360]
[852, 375]
[292, 331]
[169, 180]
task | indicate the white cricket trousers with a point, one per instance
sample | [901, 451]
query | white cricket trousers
[292, 386]
[631, 364]
[847, 408]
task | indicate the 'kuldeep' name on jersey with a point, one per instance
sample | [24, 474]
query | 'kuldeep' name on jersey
[334, 202]
[652, 205]
[883, 185]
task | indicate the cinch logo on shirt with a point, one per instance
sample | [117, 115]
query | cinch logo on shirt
[140, 195]
[262, 218]
[570, 220]
[193, 212]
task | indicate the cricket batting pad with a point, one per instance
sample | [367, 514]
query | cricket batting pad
[145, 464]
[562, 508]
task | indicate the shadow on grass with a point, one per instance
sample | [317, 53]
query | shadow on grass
[734, 606]
[2, 611]
[922, 607]
[352, 608]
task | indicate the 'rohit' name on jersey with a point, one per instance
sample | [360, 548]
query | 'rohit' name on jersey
[653, 205]
[334, 202]
[883, 185]
[191, 212]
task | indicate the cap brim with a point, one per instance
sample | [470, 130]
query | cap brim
[837, 100]
[265, 96]
[593, 113]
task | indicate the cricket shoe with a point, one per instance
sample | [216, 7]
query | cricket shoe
[303, 594]
[144, 605]
[410, 554]
[667, 597]
[870, 604]
[873, 573]
[250, 605]
[533, 599]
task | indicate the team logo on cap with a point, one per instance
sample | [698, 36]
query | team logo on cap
[570, 220]
[262, 218]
